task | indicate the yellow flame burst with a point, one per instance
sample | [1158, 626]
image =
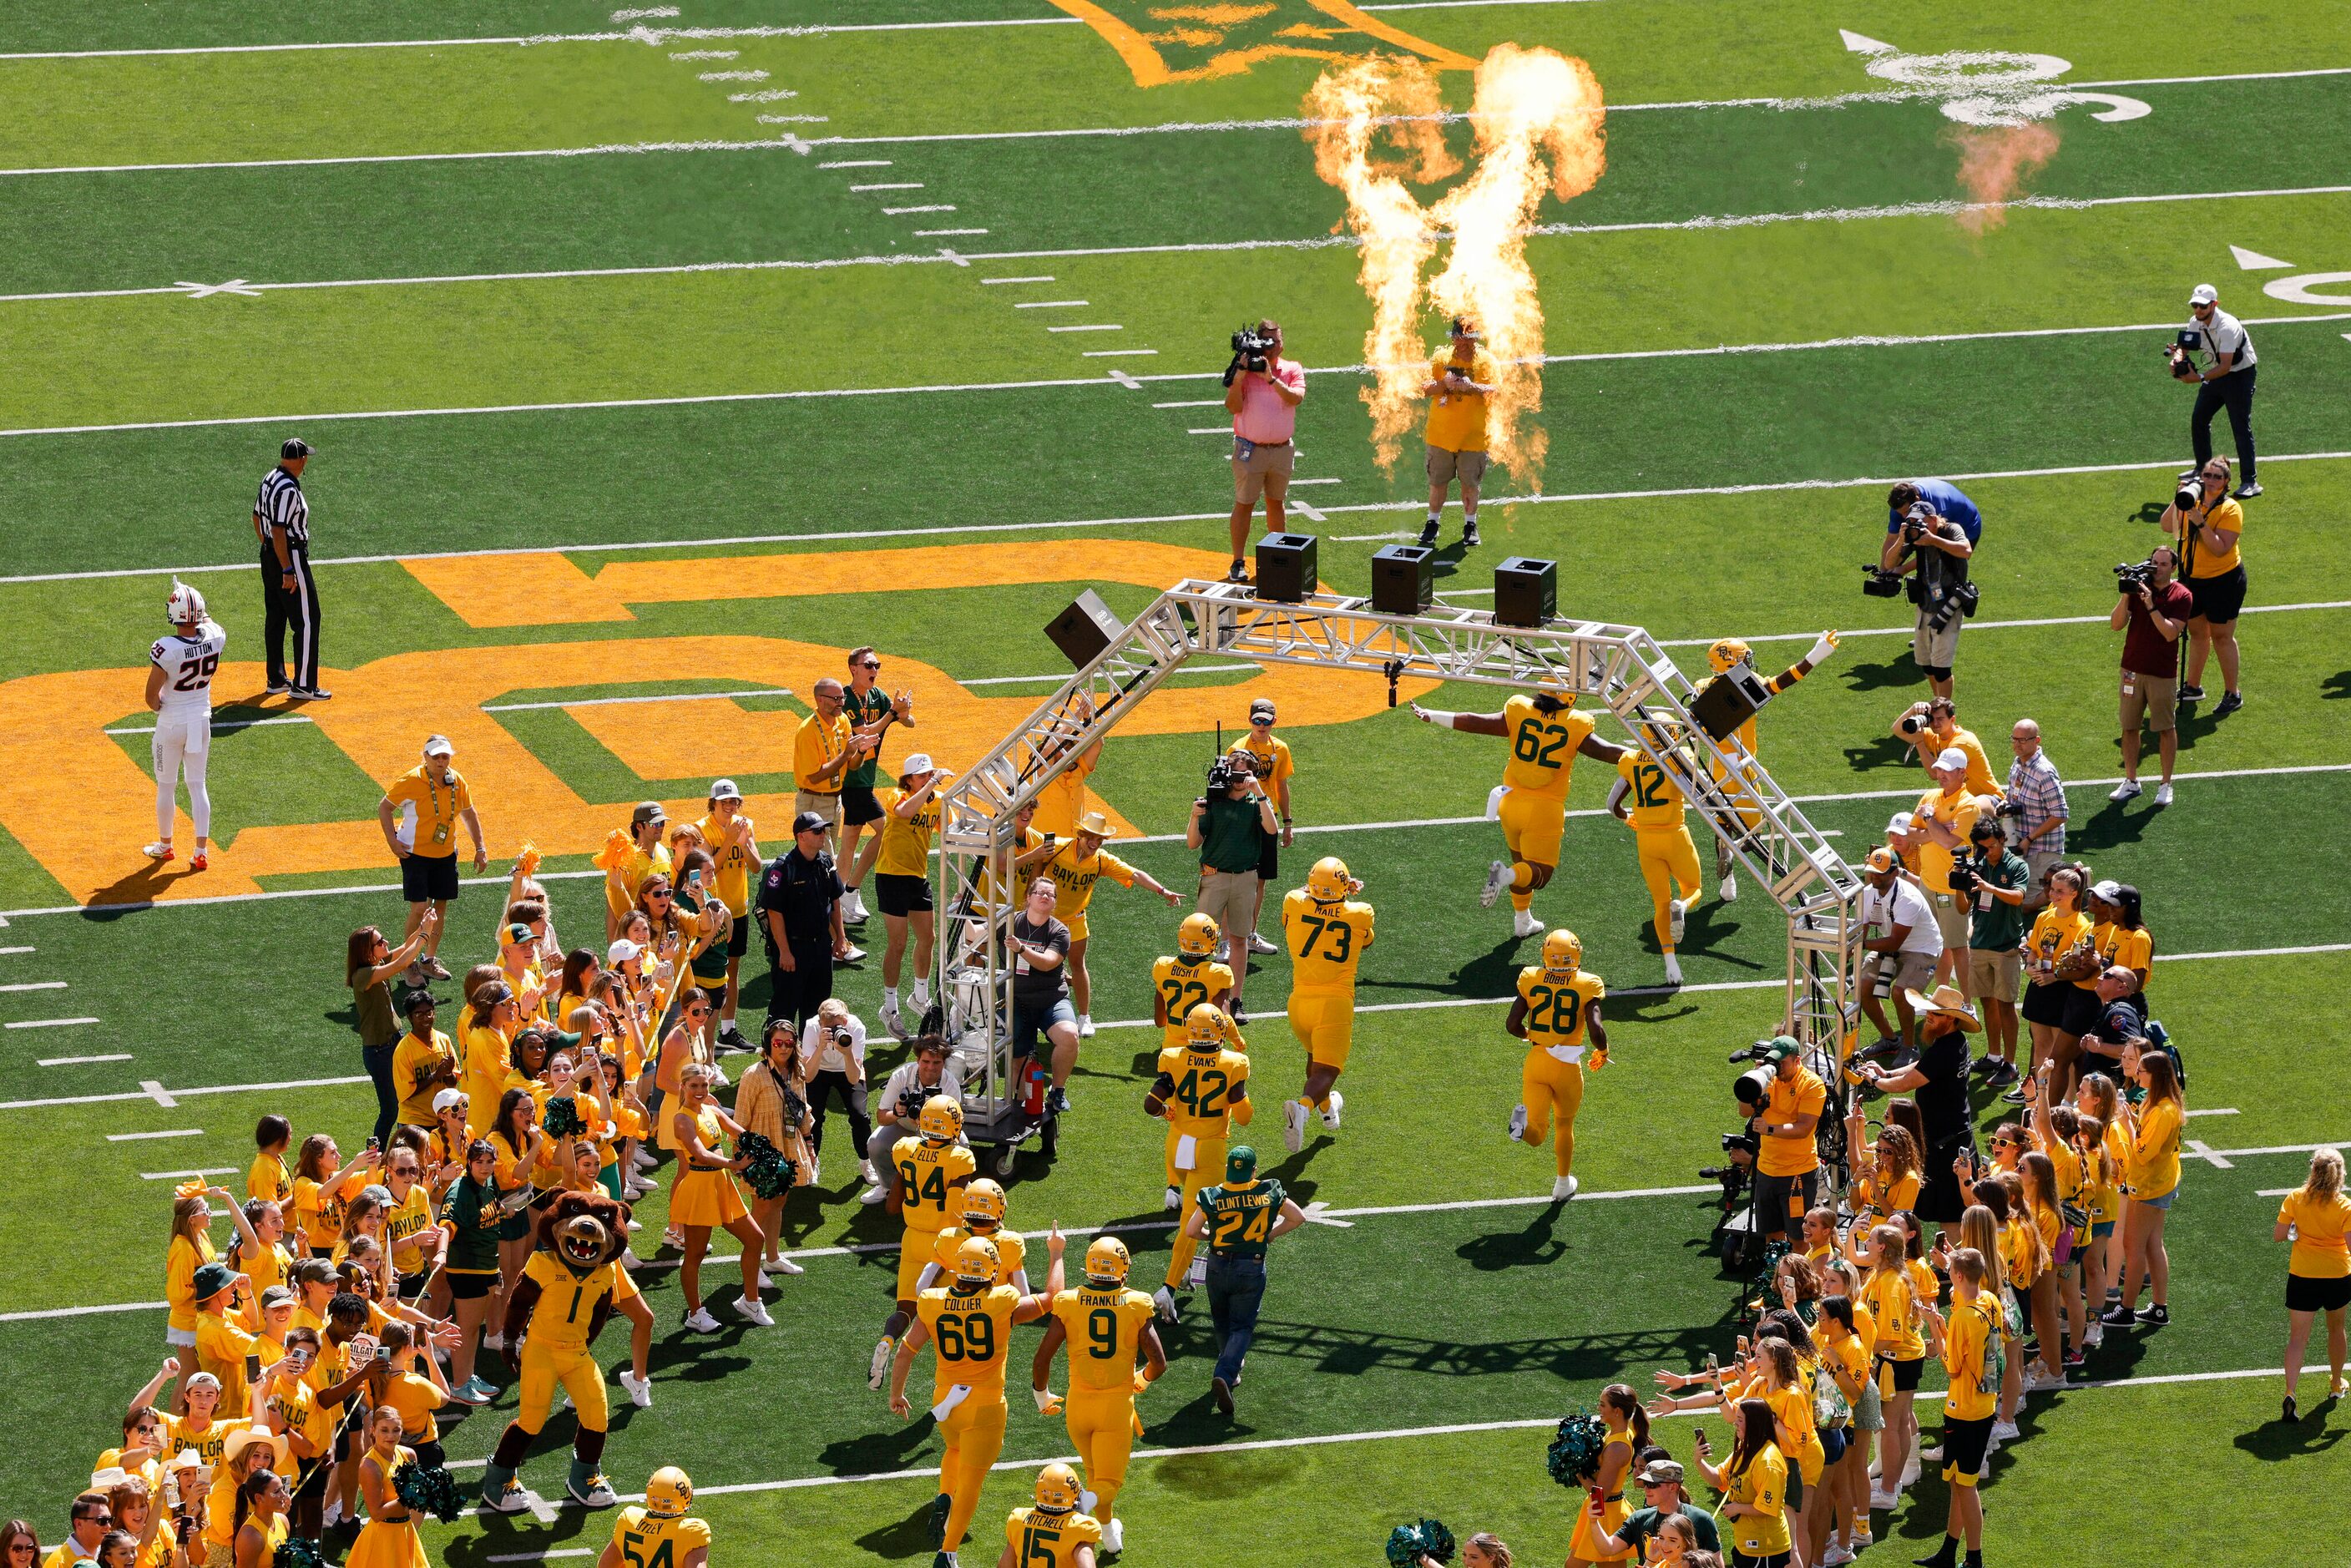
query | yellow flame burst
[1538, 120]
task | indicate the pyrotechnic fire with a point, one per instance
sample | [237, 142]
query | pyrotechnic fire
[1993, 165]
[1537, 116]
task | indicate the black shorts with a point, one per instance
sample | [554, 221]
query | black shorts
[2082, 1009]
[1766, 1560]
[738, 936]
[426, 878]
[2219, 599]
[1269, 858]
[411, 1286]
[1905, 1378]
[858, 806]
[2046, 1002]
[902, 895]
[1964, 1443]
[466, 1285]
[2305, 1294]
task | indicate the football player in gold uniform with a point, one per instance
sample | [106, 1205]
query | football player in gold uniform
[933, 1166]
[1055, 1533]
[1647, 799]
[1202, 1089]
[1189, 978]
[659, 1534]
[1556, 1010]
[1327, 927]
[1106, 1325]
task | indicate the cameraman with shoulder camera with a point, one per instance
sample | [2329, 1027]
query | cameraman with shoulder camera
[1262, 391]
[1229, 826]
[2206, 524]
[2151, 613]
[1931, 530]
[2225, 381]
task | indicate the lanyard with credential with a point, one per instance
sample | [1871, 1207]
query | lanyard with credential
[433, 794]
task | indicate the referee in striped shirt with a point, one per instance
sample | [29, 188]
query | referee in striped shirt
[289, 595]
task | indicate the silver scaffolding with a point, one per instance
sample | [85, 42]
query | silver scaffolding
[1773, 840]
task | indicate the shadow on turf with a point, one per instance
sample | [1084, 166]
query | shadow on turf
[1898, 671]
[2277, 1439]
[2337, 686]
[1492, 973]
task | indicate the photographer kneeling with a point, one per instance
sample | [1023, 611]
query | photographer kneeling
[2151, 613]
[1931, 530]
[898, 1109]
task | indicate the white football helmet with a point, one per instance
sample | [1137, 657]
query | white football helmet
[184, 606]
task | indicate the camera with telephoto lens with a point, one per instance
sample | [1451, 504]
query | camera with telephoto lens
[2130, 576]
[1913, 722]
[2188, 494]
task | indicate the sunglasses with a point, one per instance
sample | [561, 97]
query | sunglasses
[1264, 719]
[697, 1013]
[659, 893]
[870, 664]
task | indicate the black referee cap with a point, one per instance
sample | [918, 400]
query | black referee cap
[295, 447]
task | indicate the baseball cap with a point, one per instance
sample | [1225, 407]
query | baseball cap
[1656, 1472]
[446, 1098]
[2204, 294]
[622, 951]
[295, 446]
[1261, 705]
[918, 762]
[278, 1296]
[1952, 757]
[197, 1380]
[647, 811]
[1779, 1047]
[1882, 858]
[517, 932]
[808, 822]
[1898, 823]
[725, 789]
[438, 746]
[2107, 891]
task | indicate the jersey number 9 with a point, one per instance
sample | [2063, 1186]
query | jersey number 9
[1102, 1334]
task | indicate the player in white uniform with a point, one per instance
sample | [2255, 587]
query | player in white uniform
[180, 692]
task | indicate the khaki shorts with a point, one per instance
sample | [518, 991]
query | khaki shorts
[1995, 973]
[825, 806]
[1910, 971]
[2155, 698]
[1226, 897]
[1469, 467]
[1931, 650]
[1249, 474]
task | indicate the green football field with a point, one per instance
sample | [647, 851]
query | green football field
[653, 359]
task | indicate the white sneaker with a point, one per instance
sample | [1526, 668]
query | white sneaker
[866, 1172]
[2002, 1431]
[334, 1514]
[1730, 890]
[673, 1239]
[1222, 955]
[1676, 918]
[1517, 1122]
[783, 1266]
[1497, 880]
[1672, 970]
[891, 1022]
[1174, 1199]
[1910, 1471]
[877, 1193]
[644, 1161]
[637, 1188]
[854, 954]
[1085, 1025]
[1331, 1112]
[756, 1311]
[641, 1390]
[2095, 1335]
[1837, 1556]
[878, 1372]
[2163, 794]
[1563, 1188]
[1257, 944]
[1114, 1537]
[1293, 1126]
[494, 1341]
[156, 852]
[2126, 790]
[816, 1169]
[701, 1321]
[1165, 1300]
[922, 1001]
[1526, 923]
[1888, 1500]
[853, 905]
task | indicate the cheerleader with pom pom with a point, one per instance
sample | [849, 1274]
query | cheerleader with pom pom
[262, 1503]
[706, 1197]
[1601, 1469]
[389, 1539]
[1483, 1550]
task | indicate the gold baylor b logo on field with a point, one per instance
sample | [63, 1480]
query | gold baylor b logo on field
[1170, 42]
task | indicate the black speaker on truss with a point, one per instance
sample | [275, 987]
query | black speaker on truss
[1403, 579]
[1084, 629]
[1526, 592]
[1729, 701]
[1285, 567]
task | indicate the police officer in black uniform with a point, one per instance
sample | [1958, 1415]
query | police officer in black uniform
[800, 911]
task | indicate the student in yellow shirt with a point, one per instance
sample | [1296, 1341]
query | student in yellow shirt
[626, 866]
[425, 1062]
[824, 748]
[902, 871]
[733, 845]
[1754, 1484]
[190, 1248]
[1647, 799]
[1075, 867]
[2151, 1172]
[416, 1388]
[1969, 1339]
[268, 1179]
[322, 1185]
[1065, 798]
[419, 815]
[2315, 1217]
[1459, 381]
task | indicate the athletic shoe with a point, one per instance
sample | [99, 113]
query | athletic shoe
[1174, 1200]
[2015, 1096]
[1497, 877]
[311, 694]
[1293, 1126]
[1113, 1536]
[1526, 923]
[1911, 1471]
[945, 1560]
[2126, 790]
[2163, 794]
[673, 1239]
[638, 1186]
[494, 1341]
[157, 852]
[784, 1266]
[892, 1020]
[2155, 1316]
[878, 1372]
[2340, 1389]
[1517, 1122]
[731, 1036]
[279, 689]
[2288, 1413]
[1563, 1188]
[2002, 1431]
[2096, 1334]
[1238, 1017]
[2229, 704]
[756, 1311]
[1729, 890]
[1429, 534]
[856, 954]
[1983, 1065]
[1223, 955]
[2003, 1072]
[1331, 1110]
[1165, 1300]
[509, 1499]
[435, 969]
[1057, 1101]
[2118, 1317]
[701, 1321]
[1257, 944]
[1676, 918]
[1239, 572]
[875, 1194]
[599, 1493]
[1470, 536]
[2246, 491]
[1837, 1556]
[1085, 1025]
[1221, 1394]
[853, 907]
[1672, 970]
[471, 1391]
[2075, 1360]
[866, 1172]
[645, 1160]
[1886, 1500]
[641, 1390]
[414, 977]
[2189, 695]
[816, 1170]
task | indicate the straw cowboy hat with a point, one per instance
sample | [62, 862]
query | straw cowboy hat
[1948, 1001]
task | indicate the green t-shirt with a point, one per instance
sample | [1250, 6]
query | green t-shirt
[1232, 837]
[2001, 926]
[471, 1210]
[861, 712]
[1241, 1219]
[1642, 1524]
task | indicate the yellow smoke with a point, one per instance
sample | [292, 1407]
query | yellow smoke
[1538, 121]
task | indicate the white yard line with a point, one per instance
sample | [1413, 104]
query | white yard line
[149, 1137]
[1043, 304]
[79, 1061]
[993, 280]
[184, 1175]
[36, 986]
[9, 950]
[507, 708]
[50, 1023]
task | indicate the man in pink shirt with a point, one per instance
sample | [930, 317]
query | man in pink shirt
[1262, 395]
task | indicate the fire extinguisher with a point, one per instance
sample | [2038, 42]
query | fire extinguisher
[1033, 1079]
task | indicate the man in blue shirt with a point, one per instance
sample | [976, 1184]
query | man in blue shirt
[1931, 530]
[1945, 499]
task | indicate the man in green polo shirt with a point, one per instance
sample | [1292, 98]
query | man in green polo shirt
[1230, 826]
[1996, 924]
